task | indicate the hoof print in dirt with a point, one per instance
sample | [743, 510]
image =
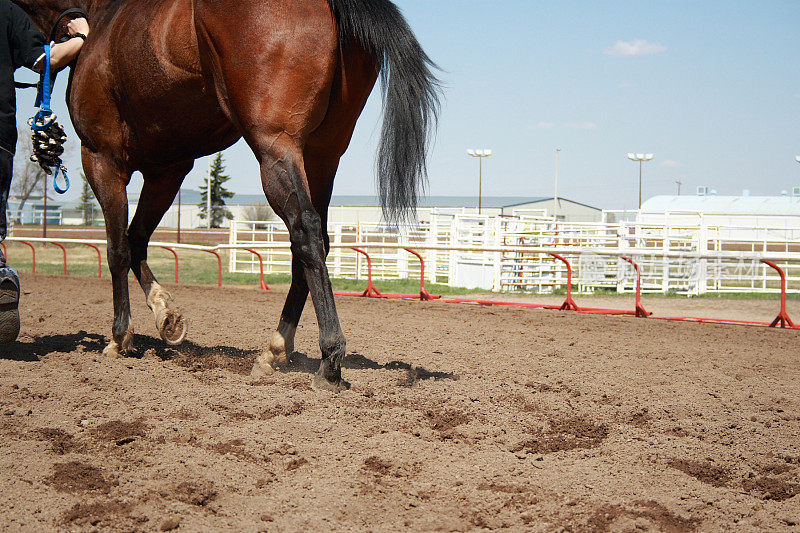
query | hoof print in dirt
[648, 515]
[710, 474]
[563, 435]
[199, 493]
[771, 488]
[100, 514]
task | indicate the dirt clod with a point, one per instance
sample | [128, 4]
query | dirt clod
[75, 476]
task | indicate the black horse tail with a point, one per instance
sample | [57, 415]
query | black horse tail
[410, 95]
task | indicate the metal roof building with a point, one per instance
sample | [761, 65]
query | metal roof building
[734, 211]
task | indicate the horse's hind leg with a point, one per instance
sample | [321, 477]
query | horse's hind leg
[284, 181]
[282, 342]
[109, 182]
[158, 193]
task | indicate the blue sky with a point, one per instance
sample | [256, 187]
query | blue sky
[712, 88]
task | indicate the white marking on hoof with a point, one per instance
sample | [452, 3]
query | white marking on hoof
[262, 366]
[169, 323]
[114, 349]
[158, 301]
[280, 348]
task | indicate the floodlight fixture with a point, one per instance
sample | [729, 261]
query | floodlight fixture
[797, 158]
[640, 158]
[480, 154]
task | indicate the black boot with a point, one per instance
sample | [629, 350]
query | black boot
[9, 303]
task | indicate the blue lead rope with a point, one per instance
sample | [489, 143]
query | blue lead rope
[45, 118]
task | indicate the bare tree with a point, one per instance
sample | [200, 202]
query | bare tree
[259, 213]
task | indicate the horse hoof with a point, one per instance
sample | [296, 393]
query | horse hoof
[262, 366]
[173, 328]
[279, 350]
[112, 350]
[321, 383]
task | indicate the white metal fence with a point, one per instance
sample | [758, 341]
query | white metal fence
[668, 255]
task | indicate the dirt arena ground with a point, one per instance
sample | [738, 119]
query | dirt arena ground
[460, 418]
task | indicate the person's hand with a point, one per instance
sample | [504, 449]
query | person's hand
[79, 25]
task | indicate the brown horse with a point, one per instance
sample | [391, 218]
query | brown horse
[160, 83]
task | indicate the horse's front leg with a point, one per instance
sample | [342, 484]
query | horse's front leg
[109, 183]
[158, 192]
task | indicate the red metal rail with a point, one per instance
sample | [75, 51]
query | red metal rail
[33, 252]
[264, 285]
[219, 266]
[371, 291]
[569, 304]
[99, 259]
[782, 318]
[423, 294]
[640, 311]
[175, 254]
[63, 249]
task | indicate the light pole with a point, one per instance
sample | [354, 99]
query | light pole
[555, 188]
[208, 193]
[679, 182]
[480, 154]
[641, 158]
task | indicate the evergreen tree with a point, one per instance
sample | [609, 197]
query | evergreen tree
[218, 194]
[87, 207]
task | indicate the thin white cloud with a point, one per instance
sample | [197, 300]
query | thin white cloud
[639, 47]
[581, 126]
[542, 126]
[672, 164]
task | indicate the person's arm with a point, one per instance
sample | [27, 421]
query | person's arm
[61, 54]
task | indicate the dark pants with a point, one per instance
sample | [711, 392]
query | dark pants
[6, 164]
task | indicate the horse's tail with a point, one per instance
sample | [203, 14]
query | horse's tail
[410, 93]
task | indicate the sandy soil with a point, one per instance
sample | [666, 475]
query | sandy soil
[460, 418]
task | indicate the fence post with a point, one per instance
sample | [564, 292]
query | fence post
[782, 318]
[174, 253]
[64, 250]
[33, 251]
[264, 285]
[640, 311]
[371, 291]
[219, 266]
[569, 304]
[99, 259]
[423, 294]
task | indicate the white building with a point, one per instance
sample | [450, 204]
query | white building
[561, 208]
[748, 217]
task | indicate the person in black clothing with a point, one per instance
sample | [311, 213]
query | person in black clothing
[21, 45]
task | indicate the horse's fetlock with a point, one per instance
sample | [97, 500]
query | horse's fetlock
[334, 346]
